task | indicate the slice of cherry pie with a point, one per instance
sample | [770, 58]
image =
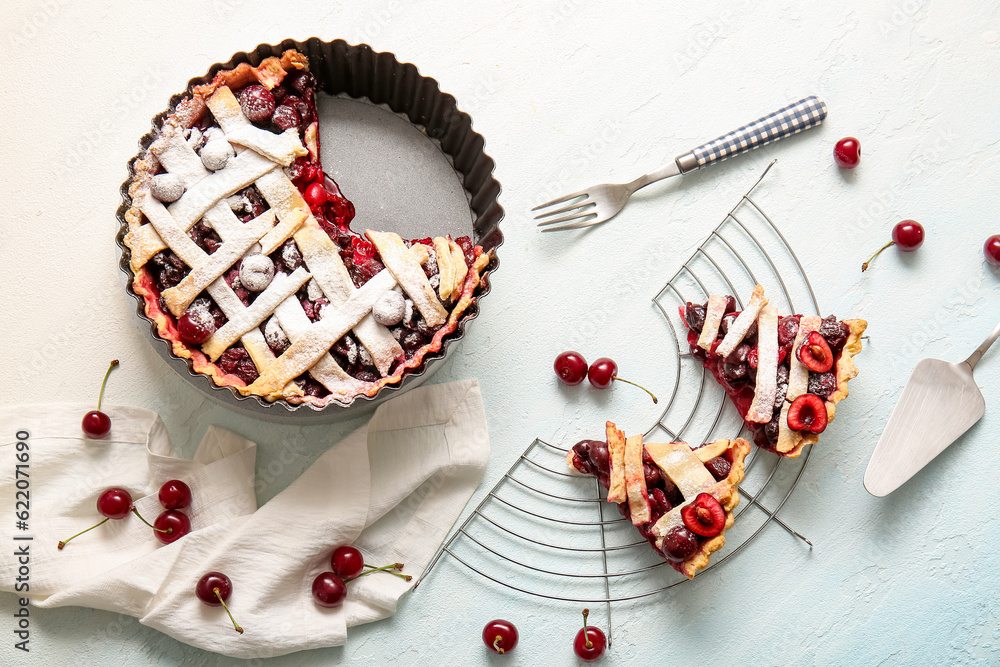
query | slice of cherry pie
[242, 250]
[681, 499]
[785, 375]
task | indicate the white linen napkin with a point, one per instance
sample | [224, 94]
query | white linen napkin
[393, 488]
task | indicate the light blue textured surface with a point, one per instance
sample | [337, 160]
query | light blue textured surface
[568, 93]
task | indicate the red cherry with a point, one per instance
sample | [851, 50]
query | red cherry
[815, 353]
[362, 250]
[590, 642]
[329, 590]
[175, 495]
[315, 195]
[992, 250]
[214, 589]
[847, 153]
[347, 562]
[257, 103]
[807, 413]
[602, 373]
[705, 516]
[679, 544]
[907, 234]
[500, 636]
[115, 503]
[571, 368]
[95, 423]
[195, 326]
[171, 526]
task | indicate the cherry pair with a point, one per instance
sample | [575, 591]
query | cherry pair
[572, 368]
[170, 526]
[329, 588]
[590, 643]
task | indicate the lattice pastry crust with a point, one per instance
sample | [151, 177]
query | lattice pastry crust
[436, 280]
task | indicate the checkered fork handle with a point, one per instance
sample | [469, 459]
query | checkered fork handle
[794, 118]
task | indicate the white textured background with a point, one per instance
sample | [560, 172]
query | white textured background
[570, 92]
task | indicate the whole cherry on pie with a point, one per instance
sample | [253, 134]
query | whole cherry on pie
[847, 153]
[175, 495]
[679, 544]
[992, 250]
[196, 325]
[500, 636]
[214, 588]
[329, 590]
[590, 642]
[95, 423]
[907, 235]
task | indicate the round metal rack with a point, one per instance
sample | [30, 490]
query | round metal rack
[544, 531]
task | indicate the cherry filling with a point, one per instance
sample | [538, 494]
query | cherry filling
[737, 373]
[291, 104]
[593, 458]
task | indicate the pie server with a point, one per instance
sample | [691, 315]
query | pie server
[940, 402]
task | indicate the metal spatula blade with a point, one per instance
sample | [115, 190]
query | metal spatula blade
[939, 403]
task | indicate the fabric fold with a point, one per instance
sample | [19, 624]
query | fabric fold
[393, 488]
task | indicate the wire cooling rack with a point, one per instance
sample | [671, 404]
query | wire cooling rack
[546, 532]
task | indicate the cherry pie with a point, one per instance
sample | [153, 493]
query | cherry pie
[681, 499]
[785, 375]
[242, 250]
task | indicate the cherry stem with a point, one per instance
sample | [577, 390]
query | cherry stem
[615, 377]
[391, 569]
[114, 362]
[235, 624]
[65, 542]
[168, 531]
[496, 644]
[590, 644]
[864, 267]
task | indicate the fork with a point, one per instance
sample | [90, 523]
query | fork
[600, 203]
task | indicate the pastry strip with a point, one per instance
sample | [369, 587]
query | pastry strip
[762, 407]
[240, 172]
[616, 464]
[281, 288]
[323, 259]
[294, 322]
[321, 336]
[635, 481]
[179, 297]
[281, 148]
[446, 268]
[713, 318]
[739, 328]
[798, 384]
[409, 275]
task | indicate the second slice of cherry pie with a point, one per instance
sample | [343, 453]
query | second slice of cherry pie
[680, 498]
[242, 251]
[785, 375]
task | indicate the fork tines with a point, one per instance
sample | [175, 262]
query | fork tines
[578, 211]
